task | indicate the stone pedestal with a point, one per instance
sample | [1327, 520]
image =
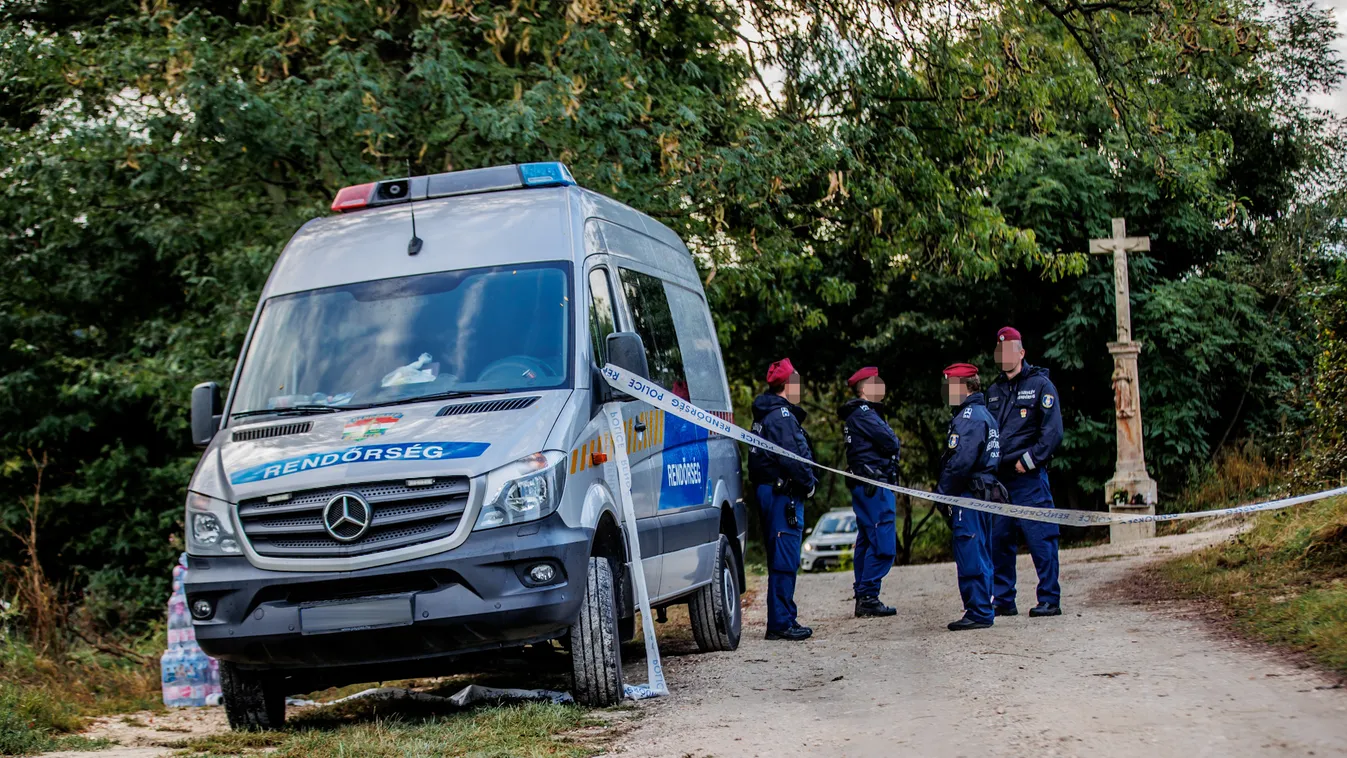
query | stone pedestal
[1130, 483]
[1129, 532]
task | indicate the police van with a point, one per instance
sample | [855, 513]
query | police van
[411, 463]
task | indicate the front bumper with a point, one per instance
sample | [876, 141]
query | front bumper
[472, 598]
[817, 560]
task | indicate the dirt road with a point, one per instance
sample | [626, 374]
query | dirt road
[1107, 679]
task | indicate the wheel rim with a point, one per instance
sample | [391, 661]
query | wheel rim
[731, 594]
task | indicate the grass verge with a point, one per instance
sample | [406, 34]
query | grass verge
[45, 699]
[34, 721]
[359, 728]
[1284, 581]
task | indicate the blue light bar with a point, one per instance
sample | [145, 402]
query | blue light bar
[470, 182]
[546, 175]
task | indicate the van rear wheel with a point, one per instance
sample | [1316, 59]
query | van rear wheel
[717, 618]
[252, 700]
[596, 659]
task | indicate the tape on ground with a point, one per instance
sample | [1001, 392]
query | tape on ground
[647, 391]
[654, 668]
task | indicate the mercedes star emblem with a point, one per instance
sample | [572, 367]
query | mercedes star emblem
[347, 517]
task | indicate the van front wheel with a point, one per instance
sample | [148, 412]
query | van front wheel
[595, 653]
[252, 701]
[717, 618]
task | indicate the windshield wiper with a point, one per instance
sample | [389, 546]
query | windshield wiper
[433, 396]
[301, 410]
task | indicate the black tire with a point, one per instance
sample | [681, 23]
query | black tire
[717, 618]
[596, 657]
[252, 701]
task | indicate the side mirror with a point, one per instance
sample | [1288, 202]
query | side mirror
[626, 351]
[206, 409]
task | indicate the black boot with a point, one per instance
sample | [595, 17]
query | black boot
[793, 634]
[870, 606]
[966, 623]
[1007, 610]
[1043, 609]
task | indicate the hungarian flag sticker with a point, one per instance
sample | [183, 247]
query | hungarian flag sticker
[364, 427]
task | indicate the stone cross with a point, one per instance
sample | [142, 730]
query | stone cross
[1131, 490]
[1120, 245]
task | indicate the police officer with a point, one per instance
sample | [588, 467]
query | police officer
[872, 452]
[1024, 401]
[968, 469]
[783, 484]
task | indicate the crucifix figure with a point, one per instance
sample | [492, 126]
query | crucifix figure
[1131, 490]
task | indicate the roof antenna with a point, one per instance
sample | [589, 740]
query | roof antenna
[414, 244]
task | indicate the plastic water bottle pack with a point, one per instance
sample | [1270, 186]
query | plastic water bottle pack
[189, 676]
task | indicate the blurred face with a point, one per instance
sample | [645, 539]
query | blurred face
[1009, 354]
[871, 390]
[956, 391]
[793, 389]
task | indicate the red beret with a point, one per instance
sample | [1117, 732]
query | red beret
[1008, 333]
[961, 371]
[862, 375]
[779, 373]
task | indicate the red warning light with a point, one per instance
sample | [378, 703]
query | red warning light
[353, 198]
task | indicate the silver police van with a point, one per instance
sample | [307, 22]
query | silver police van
[411, 463]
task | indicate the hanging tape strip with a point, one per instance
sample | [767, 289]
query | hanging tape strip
[654, 668]
[649, 392]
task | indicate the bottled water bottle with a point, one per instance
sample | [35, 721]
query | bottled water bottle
[176, 679]
[189, 677]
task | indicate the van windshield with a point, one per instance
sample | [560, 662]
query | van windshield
[479, 330]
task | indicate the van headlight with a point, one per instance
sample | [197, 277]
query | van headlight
[526, 490]
[209, 528]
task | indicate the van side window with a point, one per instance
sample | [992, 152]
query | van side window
[701, 353]
[653, 319]
[602, 317]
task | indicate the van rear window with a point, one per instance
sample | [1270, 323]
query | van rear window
[393, 340]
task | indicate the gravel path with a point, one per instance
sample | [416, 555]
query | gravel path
[1109, 678]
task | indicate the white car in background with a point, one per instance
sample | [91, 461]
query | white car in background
[833, 536]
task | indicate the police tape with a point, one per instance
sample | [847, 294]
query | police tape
[655, 686]
[649, 392]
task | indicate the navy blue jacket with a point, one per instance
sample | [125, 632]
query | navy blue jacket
[778, 421]
[872, 447]
[972, 447]
[1029, 415]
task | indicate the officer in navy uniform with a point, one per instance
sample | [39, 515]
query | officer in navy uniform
[968, 469]
[872, 452]
[1025, 402]
[783, 484]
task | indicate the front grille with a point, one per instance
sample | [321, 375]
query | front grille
[265, 432]
[402, 516]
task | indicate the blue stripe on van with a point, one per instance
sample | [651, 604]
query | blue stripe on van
[391, 452]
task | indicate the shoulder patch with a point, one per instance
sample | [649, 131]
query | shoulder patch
[865, 407]
[968, 412]
[785, 412]
[953, 441]
[1048, 401]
